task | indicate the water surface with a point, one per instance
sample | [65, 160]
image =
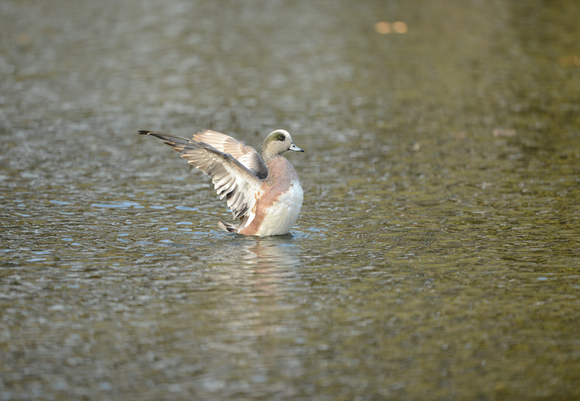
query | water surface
[437, 255]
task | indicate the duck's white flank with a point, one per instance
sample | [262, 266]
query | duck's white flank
[282, 215]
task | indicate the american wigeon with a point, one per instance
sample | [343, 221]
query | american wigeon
[264, 193]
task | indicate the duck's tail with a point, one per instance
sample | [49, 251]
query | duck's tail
[224, 225]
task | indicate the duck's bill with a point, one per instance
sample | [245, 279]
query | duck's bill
[295, 148]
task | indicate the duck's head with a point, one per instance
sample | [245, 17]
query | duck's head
[278, 142]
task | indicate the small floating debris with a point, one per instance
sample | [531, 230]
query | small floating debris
[569, 61]
[385, 28]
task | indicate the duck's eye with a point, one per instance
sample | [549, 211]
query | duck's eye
[280, 136]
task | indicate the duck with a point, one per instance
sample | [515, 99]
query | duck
[263, 192]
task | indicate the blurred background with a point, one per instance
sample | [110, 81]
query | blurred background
[437, 255]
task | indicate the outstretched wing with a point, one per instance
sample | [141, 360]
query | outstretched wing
[245, 154]
[231, 178]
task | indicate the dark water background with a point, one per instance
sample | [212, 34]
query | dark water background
[438, 251]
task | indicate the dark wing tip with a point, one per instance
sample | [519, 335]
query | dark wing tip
[141, 132]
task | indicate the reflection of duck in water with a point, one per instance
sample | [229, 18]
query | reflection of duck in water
[271, 254]
[273, 263]
[264, 193]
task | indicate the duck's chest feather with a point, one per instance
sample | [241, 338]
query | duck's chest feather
[283, 213]
[279, 206]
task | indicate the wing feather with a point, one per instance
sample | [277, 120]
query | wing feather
[230, 177]
[245, 154]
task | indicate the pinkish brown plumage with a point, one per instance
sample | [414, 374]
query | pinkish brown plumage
[264, 193]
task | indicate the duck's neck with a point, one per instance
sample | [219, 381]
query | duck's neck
[266, 156]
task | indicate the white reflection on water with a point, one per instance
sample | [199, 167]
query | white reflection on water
[271, 253]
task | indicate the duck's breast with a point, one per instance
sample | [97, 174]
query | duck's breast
[283, 213]
[279, 205]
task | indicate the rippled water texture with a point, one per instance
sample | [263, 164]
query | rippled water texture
[437, 255]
